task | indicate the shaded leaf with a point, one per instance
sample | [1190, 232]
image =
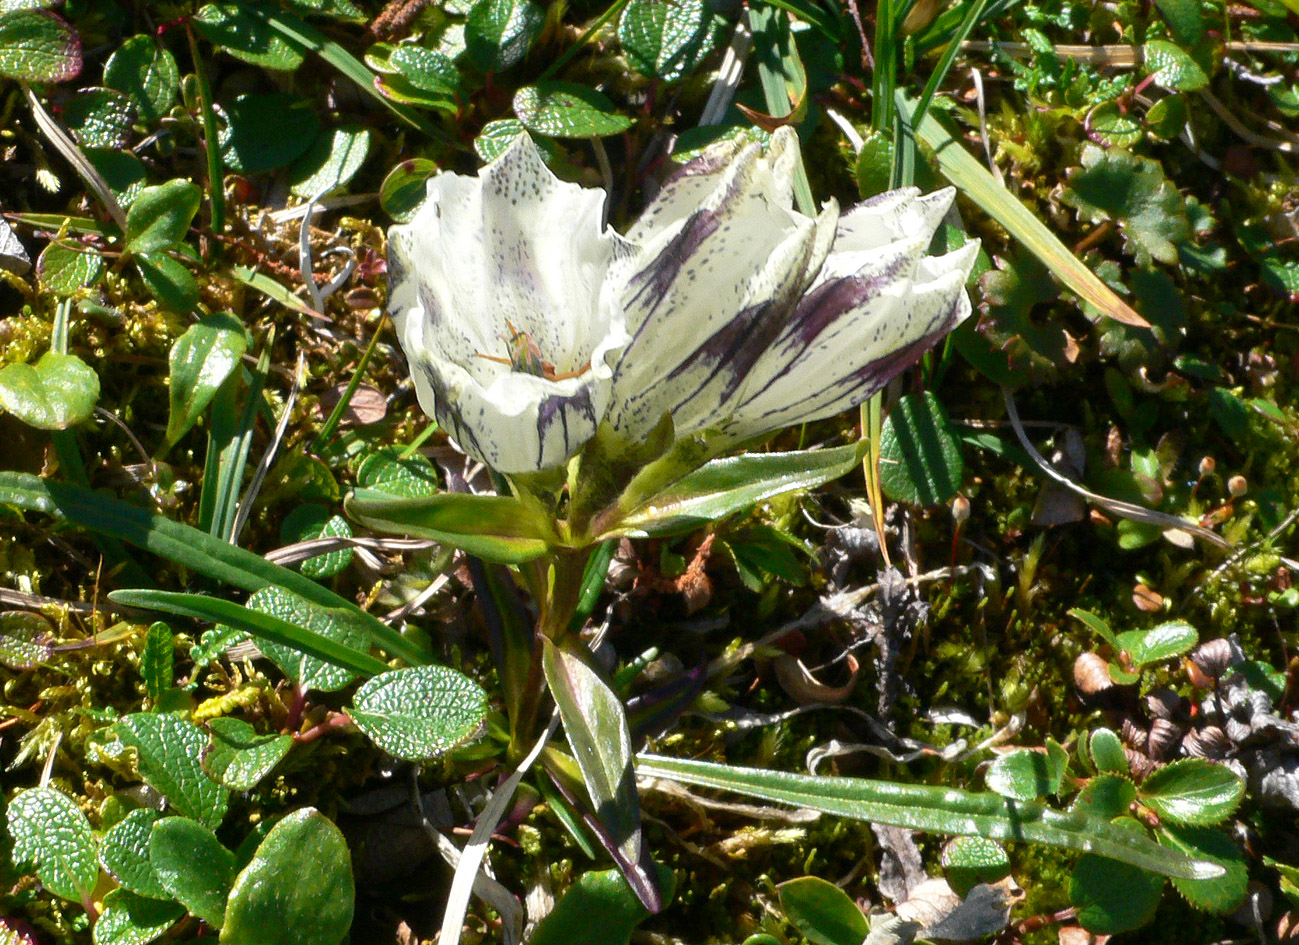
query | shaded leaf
[130, 919]
[1223, 894]
[124, 853]
[920, 452]
[1114, 897]
[499, 33]
[193, 866]
[147, 72]
[664, 40]
[160, 217]
[238, 757]
[227, 25]
[969, 861]
[263, 132]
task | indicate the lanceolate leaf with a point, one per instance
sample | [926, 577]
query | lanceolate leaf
[211, 557]
[201, 360]
[936, 809]
[595, 724]
[496, 528]
[725, 486]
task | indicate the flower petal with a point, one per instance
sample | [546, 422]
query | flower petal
[870, 330]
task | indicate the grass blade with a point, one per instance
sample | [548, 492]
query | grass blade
[965, 171]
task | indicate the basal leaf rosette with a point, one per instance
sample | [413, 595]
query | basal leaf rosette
[747, 316]
[505, 298]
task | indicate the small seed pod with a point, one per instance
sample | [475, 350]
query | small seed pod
[1207, 465]
[1134, 735]
[960, 510]
[1164, 738]
[1091, 674]
[1237, 486]
[1164, 704]
[1198, 677]
[1138, 764]
[1215, 657]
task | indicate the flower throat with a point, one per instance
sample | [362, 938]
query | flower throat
[525, 357]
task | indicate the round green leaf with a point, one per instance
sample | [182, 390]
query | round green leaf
[1107, 752]
[26, 639]
[63, 268]
[404, 189]
[1167, 117]
[310, 521]
[386, 470]
[122, 171]
[822, 912]
[168, 281]
[1114, 125]
[1024, 774]
[147, 72]
[332, 161]
[263, 132]
[124, 854]
[425, 69]
[129, 919]
[920, 452]
[101, 118]
[599, 909]
[1193, 791]
[499, 33]
[568, 110]
[664, 41]
[168, 749]
[37, 46]
[1160, 643]
[1106, 796]
[307, 671]
[1223, 894]
[1172, 67]
[193, 866]
[1113, 897]
[497, 135]
[239, 757]
[968, 861]
[51, 833]
[245, 37]
[201, 360]
[160, 216]
[297, 890]
[57, 392]
[421, 712]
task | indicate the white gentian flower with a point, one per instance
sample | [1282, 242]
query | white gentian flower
[504, 291]
[747, 316]
[527, 325]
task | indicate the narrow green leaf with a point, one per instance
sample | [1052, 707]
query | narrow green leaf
[51, 833]
[157, 659]
[298, 888]
[1193, 791]
[933, 808]
[124, 853]
[211, 557]
[129, 919]
[822, 912]
[595, 725]
[160, 217]
[193, 866]
[977, 183]
[495, 528]
[57, 392]
[293, 638]
[421, 713]
[725, 486]
[169, 749]
[1096, 625]
[238, 757]
[201, 360]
